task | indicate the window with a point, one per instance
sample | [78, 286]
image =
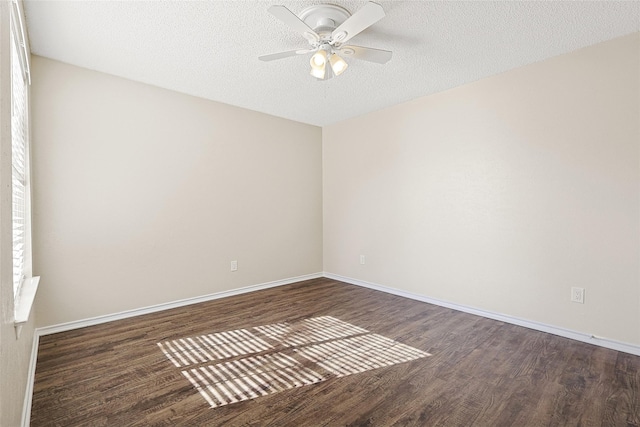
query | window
[18, 156]
[24, 286]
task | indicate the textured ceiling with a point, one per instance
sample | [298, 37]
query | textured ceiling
[210, 48]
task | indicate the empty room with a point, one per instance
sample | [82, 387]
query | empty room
[311, 213]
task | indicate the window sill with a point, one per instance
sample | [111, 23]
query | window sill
[24, 302]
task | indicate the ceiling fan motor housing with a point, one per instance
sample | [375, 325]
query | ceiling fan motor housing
[323, 19]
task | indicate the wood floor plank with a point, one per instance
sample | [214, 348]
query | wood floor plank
[478, 372]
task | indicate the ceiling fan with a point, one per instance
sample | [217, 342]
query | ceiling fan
[327, 28]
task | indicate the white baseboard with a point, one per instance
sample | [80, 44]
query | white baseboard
[31, 376]
[46, 330]
[555, 330]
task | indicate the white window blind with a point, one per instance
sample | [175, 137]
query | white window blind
[19, 135]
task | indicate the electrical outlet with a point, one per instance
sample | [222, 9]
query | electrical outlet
[234, 265]
[577, 295]
[362, 259]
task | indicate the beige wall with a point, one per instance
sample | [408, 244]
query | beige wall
[14, 352]
[501, 194]
[143, 196]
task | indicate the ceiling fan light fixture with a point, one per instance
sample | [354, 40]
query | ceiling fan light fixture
[319, 59]
[318, 63]
[338, 65]
[318, 73]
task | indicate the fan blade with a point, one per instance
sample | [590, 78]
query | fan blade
[366, 53]
[366, 16]
[280, 55]
[289, 18]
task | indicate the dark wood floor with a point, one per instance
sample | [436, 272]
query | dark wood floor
[481, 372]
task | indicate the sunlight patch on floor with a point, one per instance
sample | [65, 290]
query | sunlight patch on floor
[273, 358]
[205, 348]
